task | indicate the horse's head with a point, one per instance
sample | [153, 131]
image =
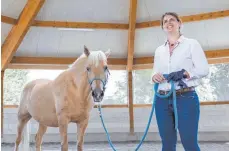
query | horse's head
[97, 72]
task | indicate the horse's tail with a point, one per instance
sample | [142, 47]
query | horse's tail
[23, 114]
[25, 98]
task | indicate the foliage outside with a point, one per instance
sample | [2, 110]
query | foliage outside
[14, 81]
[213, 87]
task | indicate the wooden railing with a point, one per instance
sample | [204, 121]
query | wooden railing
[140, 105]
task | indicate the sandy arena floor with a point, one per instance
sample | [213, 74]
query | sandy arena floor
[147, 146]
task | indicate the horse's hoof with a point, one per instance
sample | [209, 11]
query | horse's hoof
[38, 149]
[79, 148]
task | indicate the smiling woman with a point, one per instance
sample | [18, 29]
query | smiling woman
[181, 60]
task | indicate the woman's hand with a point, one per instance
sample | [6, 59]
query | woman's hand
[178, 75]
[158, 78]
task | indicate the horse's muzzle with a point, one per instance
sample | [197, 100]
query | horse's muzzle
[98, 95]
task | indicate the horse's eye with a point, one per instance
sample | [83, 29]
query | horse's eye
[105, 68]
[88, 69]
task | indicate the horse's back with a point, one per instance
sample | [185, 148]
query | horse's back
[26, 92]
[30, 85]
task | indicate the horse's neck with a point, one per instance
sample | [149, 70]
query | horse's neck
[78, 69]
[80, 78]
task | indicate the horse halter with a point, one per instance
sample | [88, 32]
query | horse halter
[104, 81]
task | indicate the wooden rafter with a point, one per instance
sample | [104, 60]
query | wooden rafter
[8, 20]
[217, 53]
[218, 60]
[210, 61]
[64, 24]
[19, 30]
[190, 18]
[114, 64]
[210, 54]
[54, 67]
[61, 24]
[143, 60]
[59, 61]
[112, 67]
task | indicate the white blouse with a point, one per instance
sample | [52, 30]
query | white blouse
[187, 55]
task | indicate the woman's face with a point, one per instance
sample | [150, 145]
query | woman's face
[170, 24]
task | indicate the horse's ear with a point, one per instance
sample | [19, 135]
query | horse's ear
[107, 53]
[86, 51]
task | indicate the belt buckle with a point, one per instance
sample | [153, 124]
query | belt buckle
[182, 90]
[162, 92]
[179, 92]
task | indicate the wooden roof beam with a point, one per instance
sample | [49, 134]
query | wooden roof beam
[210, 54]
[112, 67]
[190, 18]
[61, 24]
[17, 33]
[59, 61]
[8, 20]
[64, 24]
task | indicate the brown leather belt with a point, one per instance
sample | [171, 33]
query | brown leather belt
[177, 91]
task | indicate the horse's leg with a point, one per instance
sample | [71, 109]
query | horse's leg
[22, 121]
[41, 131]
[63, 129]
[81, 127]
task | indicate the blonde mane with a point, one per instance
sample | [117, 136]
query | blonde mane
[93, 59]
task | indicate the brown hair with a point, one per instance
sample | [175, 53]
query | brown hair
[172, 14]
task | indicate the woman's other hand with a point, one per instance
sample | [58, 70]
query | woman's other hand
[158, 78]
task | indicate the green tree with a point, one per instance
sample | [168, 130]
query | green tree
[117, 87]
[213, 87]
[216, 85]
[142, 86]
[120, 96]
[14, 81]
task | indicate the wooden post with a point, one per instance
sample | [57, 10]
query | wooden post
[131, 104]
[131, 33]
[2, 102]
[130, 58]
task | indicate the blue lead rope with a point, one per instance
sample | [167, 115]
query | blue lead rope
[172, 91]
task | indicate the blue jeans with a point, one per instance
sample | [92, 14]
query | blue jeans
[188, 110]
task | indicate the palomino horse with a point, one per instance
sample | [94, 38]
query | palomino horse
[68, 98]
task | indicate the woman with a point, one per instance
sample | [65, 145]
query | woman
[184, 61]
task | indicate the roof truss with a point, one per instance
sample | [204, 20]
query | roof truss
[19, 30]
[65, 24]
[210, 54]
